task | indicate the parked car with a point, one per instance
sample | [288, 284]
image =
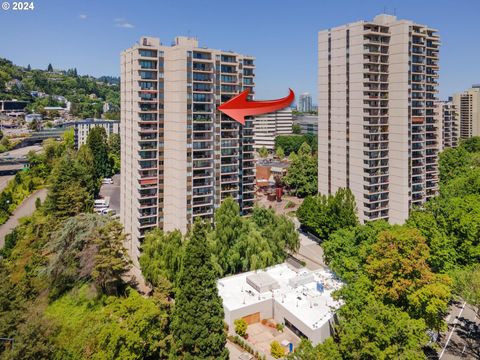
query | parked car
[107, 181]
[108, 211]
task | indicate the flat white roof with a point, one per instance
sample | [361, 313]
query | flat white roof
[304, 301]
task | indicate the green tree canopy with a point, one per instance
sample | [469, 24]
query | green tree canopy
[198, 315]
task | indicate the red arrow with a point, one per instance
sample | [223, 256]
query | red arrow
[238, 107]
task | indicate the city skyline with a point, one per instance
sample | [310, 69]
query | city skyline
[111, 27]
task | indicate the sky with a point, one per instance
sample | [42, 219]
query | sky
[281, 34]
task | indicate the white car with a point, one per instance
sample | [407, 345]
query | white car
[108, 212]
[107, 181]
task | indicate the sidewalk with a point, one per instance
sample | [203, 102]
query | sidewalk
[26, 208]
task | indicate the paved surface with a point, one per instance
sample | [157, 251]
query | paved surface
[462, 340]
[21, 152]
[4, 179]
[113, 191]
[310, 252]
[235, 351]
[26, 208]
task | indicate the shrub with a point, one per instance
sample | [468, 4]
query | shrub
[241, 327]
[277, 350]
[280, 327]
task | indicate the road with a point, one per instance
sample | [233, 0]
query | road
[112, 191]
[26, 208]
[462, 340]
[21, 152]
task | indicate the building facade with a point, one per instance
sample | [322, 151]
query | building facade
[377, 132]
[180, 156]
[268, 126]
[447, 119]
[83, 127]
[468, 108]
[308, 124]
[305, 103]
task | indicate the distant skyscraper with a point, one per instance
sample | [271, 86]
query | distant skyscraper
[305, 103]
[377, 131]
[468, 108]
[447, 119]
[268, 126]
[180, 156]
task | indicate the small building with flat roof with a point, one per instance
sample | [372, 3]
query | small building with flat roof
[296, 297]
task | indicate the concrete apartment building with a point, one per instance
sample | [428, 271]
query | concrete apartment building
[180, 156]
[468, 108]
[268, 126]
[377, 133]
[447, 119]
[83, 127]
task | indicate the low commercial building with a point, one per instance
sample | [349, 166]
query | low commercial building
[298, 298]
[13, 107]
[268, 126]
[308, 124]
[29, 118]
[267, 170]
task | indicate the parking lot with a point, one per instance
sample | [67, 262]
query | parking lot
[112, 191]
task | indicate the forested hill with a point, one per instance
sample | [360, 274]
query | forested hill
[87, 94]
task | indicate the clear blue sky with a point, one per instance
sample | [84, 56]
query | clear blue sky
[281, 34]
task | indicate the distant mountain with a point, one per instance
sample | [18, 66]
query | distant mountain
[85, 93]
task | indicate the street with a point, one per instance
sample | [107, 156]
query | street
[26, 208]
[462, 340]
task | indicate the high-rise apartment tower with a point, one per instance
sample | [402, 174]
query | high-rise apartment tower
[181, 157]
[377, 133]
[468, 108]
[447, 119]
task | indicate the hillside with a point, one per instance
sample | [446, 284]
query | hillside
[47, 87]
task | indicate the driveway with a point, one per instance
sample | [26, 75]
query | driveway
[26, 208]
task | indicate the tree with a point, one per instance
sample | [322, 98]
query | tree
[472, 145]
[197, 324]
[34, 339]
[280, 153]
[467, 285]
[114, 144]
[277, 350]
[296, 129]
[29, 68]
[97, 142]
[50, 68]
[302, 173]
[322, 215]
[241, 327]
[161, 256]
[453, 162]
[400, 274]
[68, 195]
[111, 261]
[379, 331]
[263, 152]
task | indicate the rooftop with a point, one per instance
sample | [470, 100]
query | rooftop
[303, 293]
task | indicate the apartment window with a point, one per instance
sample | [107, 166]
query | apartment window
[148, 53]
